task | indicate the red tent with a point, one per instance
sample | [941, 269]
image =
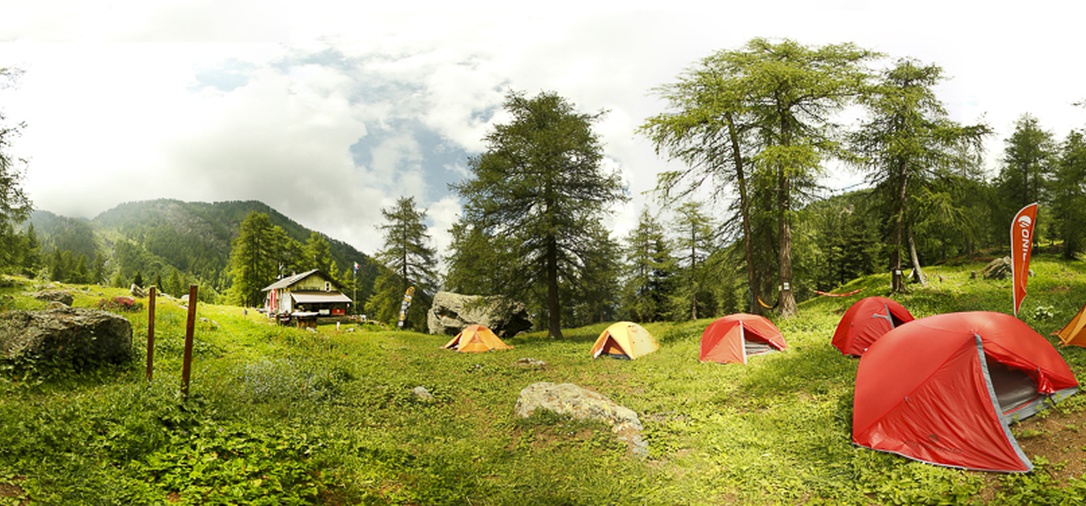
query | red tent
[944, 389]
[735, 337]
[867, 320]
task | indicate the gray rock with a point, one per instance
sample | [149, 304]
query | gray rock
[54, 304]
[999, 268]
[422, 393]
[80, 336]
[60, 296]
[530, 363]
[451, 312]
[581, 404]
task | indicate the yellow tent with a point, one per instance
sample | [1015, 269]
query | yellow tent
[625, 340]
[476, 339]
[1074, 334]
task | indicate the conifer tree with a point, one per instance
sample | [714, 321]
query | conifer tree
[649, 280]
[540, 188]
[410, 262]
[906, 147]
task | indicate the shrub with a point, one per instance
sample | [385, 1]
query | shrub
[126, 304]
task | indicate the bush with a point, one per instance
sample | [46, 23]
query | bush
[126, 304]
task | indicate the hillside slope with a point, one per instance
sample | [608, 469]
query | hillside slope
[330, 417]
[157, 236]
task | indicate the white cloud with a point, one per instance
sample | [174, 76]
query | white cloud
[119, 107]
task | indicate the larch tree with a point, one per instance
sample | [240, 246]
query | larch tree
[541, 186]
[15, 206]
[767, 107]
[708, 127]
[907, 146]
[410, 262]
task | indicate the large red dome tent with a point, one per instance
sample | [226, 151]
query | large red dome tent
[867, 320]
[944, 389]
[735, 337]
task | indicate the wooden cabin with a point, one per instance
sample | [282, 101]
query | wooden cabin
[306, 299]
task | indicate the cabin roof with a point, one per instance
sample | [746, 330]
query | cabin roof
[319, 297]
[292, 280]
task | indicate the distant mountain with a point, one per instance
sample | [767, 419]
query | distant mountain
[157, 238]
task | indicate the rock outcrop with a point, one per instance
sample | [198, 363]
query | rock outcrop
[82, 337]
[581, 404]
[451, 312]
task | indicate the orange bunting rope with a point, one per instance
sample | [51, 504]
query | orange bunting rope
[826, 294]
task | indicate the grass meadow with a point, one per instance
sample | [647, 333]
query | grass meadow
[282, 416]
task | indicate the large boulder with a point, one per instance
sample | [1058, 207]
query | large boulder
[581, 404]
[451, 312]
[60, 296]
[83, 337]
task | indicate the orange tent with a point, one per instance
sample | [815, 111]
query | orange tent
[476, 339]
[624, 340]
[735, 337]
[1074, 334]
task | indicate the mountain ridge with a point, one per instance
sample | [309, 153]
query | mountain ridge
[159, 237]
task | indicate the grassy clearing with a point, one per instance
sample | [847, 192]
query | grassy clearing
[280, 416]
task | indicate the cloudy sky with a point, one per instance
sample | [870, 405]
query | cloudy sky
[330, 110]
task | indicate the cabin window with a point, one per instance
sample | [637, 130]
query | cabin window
[327, 286]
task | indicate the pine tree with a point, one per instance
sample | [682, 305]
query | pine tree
[649, 280]
[1069, 195]
[318, 254]
[694, 242]
[255, 259]
[540, 189]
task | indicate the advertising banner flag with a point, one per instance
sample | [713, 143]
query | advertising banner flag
[1021, 247]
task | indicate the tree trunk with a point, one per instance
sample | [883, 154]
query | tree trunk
[554, 308]
[693, 272]
[786, 305]
[786, 302]
[897, 281]
[918, 273]
[744, 214]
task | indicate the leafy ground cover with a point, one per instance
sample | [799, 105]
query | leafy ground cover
[281, 416]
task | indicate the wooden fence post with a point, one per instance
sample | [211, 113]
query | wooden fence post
[150, 333]
[186, 365]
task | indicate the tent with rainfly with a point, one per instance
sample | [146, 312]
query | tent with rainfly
[867, 320]
[733, 338]
[476, 339]
[624, 340]
[1074, 334]
[944, 389]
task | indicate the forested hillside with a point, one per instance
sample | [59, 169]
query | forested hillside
[167, 243]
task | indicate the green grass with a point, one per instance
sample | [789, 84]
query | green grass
[280, 416]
